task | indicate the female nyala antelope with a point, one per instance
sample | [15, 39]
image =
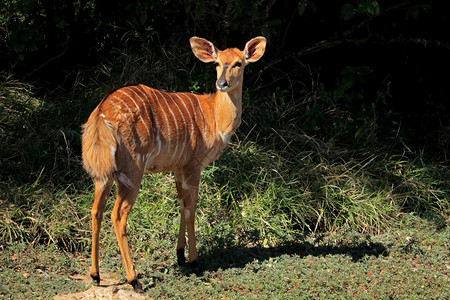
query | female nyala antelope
[137, 129]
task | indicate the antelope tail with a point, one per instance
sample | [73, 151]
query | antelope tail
[99, 145]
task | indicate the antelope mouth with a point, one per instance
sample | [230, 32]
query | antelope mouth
[223, 89]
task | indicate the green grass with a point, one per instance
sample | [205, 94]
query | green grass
[407, 263]
[41, 271]
[285, 212]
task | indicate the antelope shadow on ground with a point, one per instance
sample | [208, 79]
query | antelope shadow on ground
[238, 256]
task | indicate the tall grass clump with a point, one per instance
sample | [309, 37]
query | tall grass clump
[40, 173]
[39, 134]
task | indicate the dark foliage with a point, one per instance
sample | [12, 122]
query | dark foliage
[379, 67]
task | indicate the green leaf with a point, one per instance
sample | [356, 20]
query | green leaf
[414, 11]
[302, 7]
[347, 11]
[143, 17]
[368, 8]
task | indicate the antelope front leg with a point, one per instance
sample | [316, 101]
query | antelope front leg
[187, 187]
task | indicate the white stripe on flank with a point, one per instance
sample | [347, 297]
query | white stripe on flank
[174, 119]
[158, 141]
[185, 127]
[148, 159]
[140, 116]
[167, 124]
[195, 113]
[176, 125]
[191, 120]
[155, 125]
[131, 113]
[143, 105]
[205, 133]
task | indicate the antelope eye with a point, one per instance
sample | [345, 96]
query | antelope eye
[216, 64]
[238, 64]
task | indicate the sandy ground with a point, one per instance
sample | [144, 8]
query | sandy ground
[109, 288]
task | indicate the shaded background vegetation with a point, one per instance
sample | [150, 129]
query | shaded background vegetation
[380, 63]
[350, 103]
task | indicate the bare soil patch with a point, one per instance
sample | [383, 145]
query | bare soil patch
[109, 288]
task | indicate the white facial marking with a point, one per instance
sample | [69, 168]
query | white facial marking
[213, 50]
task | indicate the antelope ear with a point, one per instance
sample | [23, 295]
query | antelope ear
[254, 49]
[203, 49]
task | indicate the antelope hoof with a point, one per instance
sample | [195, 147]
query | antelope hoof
[137, 286]
[194, 264]
[96, 278]
[180, 257]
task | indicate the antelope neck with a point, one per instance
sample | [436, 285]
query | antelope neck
[228, 110]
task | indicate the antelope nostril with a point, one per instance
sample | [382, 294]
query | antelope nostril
[222, 84]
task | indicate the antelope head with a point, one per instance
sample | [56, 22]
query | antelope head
[230, 63]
